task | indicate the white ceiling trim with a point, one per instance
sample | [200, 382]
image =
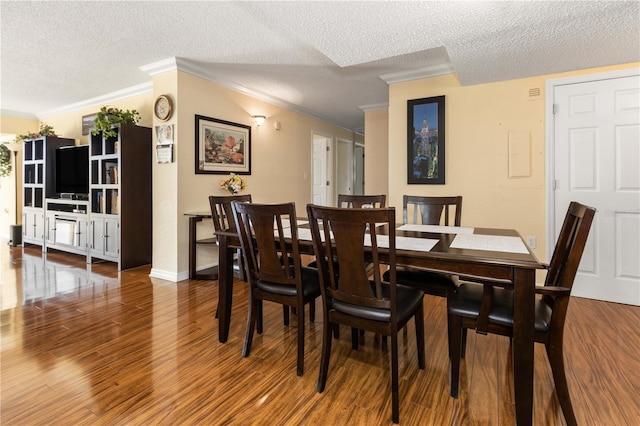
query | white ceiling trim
[374, 107]
[17, 114]
[160, 67]
[184, 65]
[433, 71]
[101, 100]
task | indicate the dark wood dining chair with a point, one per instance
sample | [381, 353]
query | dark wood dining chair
[222, 215]
[357, 201]
[490, 310]
[273, 267]
[445, 211]
[353, 298]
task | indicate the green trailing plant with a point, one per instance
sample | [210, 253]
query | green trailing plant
[5, 160]
[107, 117]
[45, 130]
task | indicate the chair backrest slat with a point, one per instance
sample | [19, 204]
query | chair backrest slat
[433, 210]
[341, 233]
[357, 201]
[271, 249]
[221, 211]
[570, 245]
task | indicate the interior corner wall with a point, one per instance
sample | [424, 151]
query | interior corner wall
[167, 230]
[376, 150]
[281, 159]
[478, 121]
[10, 125]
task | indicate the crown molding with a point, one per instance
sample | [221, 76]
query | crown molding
[433, 71]
[185, 65]
[374, 107]
[103, 99]
[160, 67]
[18, 114]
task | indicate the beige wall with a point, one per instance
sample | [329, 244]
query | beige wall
[69, 124]
[478, 121]
[10, 127]
[280, 160]
[376, 152]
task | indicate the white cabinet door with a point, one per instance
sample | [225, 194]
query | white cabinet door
[111, 237]
[104, 238]
[80, 239]
[33, 226]
[50, 229]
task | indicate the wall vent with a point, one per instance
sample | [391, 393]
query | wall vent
[534, 93]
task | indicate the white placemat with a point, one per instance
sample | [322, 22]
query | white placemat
[287, 224]
[436, 229]
[490, 243]
[303, 234]
[403, 243]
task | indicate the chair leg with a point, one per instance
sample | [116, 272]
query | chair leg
[419, 319]
[252, 318]
[336, 331]
[300, 363]
[241, 271]
[455, 346]
[259, 313]
[554, 353]
[312, 311]
[354, 338]
[395, 398]
[326, 353]
[463, 347]
[285, 314]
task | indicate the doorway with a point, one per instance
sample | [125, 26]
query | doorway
[594, 158]
[322, 169]
[344, 167]
[358, 157]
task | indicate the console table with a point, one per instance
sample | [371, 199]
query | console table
[207, 273]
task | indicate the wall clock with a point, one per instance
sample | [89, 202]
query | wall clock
[163, 108]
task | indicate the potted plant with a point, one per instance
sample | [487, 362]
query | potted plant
[5, 160]
[45, 130]
[107, 117]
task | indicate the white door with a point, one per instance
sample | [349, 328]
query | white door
[597, 162]
[359, 170]
[322, 185]
[344, 167]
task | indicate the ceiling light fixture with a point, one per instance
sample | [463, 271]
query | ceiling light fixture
[259, 119]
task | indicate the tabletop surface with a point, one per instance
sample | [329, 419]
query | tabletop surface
[443, 249]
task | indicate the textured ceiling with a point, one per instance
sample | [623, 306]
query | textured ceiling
[322, 58]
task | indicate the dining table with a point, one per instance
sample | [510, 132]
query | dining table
[491, 256]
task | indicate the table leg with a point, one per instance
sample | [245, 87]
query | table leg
[225, 287]
[523, 342]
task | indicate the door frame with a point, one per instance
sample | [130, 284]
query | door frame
[350, 165]
[550, 142]
[329, 189]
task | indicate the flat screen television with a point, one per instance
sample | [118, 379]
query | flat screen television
[72, 171]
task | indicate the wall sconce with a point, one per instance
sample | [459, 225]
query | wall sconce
[259, 119]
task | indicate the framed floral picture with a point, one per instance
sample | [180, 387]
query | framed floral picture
[222, 147]
[425, 141]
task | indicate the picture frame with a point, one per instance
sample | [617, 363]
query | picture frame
[426, 140]
[87, 123]
[222, 147]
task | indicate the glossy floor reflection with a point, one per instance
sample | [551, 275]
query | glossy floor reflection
[87, 345]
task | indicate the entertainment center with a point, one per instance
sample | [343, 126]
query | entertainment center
[92, 200]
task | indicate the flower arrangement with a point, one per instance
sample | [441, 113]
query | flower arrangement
[233, 184]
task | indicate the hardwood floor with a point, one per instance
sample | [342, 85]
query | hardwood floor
[86, 345]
